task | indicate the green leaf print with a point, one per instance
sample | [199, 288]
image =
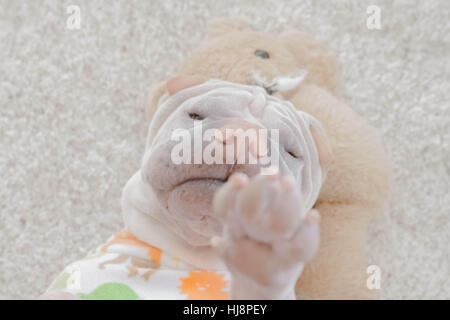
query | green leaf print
[111, 291]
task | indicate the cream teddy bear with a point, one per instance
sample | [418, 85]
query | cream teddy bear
[175, 217]
[358, 181]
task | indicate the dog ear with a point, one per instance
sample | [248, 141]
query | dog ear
[320, 138]
[179, 83]
[166, 88]
[323, 147]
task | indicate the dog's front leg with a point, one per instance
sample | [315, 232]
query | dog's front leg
[266, 240]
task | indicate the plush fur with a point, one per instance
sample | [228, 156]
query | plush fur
[358, 181]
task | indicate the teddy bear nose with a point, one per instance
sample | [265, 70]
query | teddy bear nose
[239, 133]
[262, 54]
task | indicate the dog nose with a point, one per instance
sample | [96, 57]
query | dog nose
[240, 132]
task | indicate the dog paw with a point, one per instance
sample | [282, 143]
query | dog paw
[266, 237]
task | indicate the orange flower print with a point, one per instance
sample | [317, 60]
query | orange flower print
[204, 285]
[127, 238]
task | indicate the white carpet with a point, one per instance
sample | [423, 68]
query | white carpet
[72, 127]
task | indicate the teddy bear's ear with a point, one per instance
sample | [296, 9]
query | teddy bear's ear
[312, 56]
[153, 98]
[221, 26]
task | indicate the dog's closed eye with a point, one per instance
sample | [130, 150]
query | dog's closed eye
[196, 116]
[292, 154]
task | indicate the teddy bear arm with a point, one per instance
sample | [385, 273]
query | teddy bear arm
[338, 271]
[360, 173]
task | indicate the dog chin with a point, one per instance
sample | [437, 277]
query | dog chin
[190, 205]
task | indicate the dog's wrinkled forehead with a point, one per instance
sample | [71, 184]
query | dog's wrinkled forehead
[216, 96]
[245, 102]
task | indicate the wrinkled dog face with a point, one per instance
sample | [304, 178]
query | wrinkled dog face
[204, 114]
